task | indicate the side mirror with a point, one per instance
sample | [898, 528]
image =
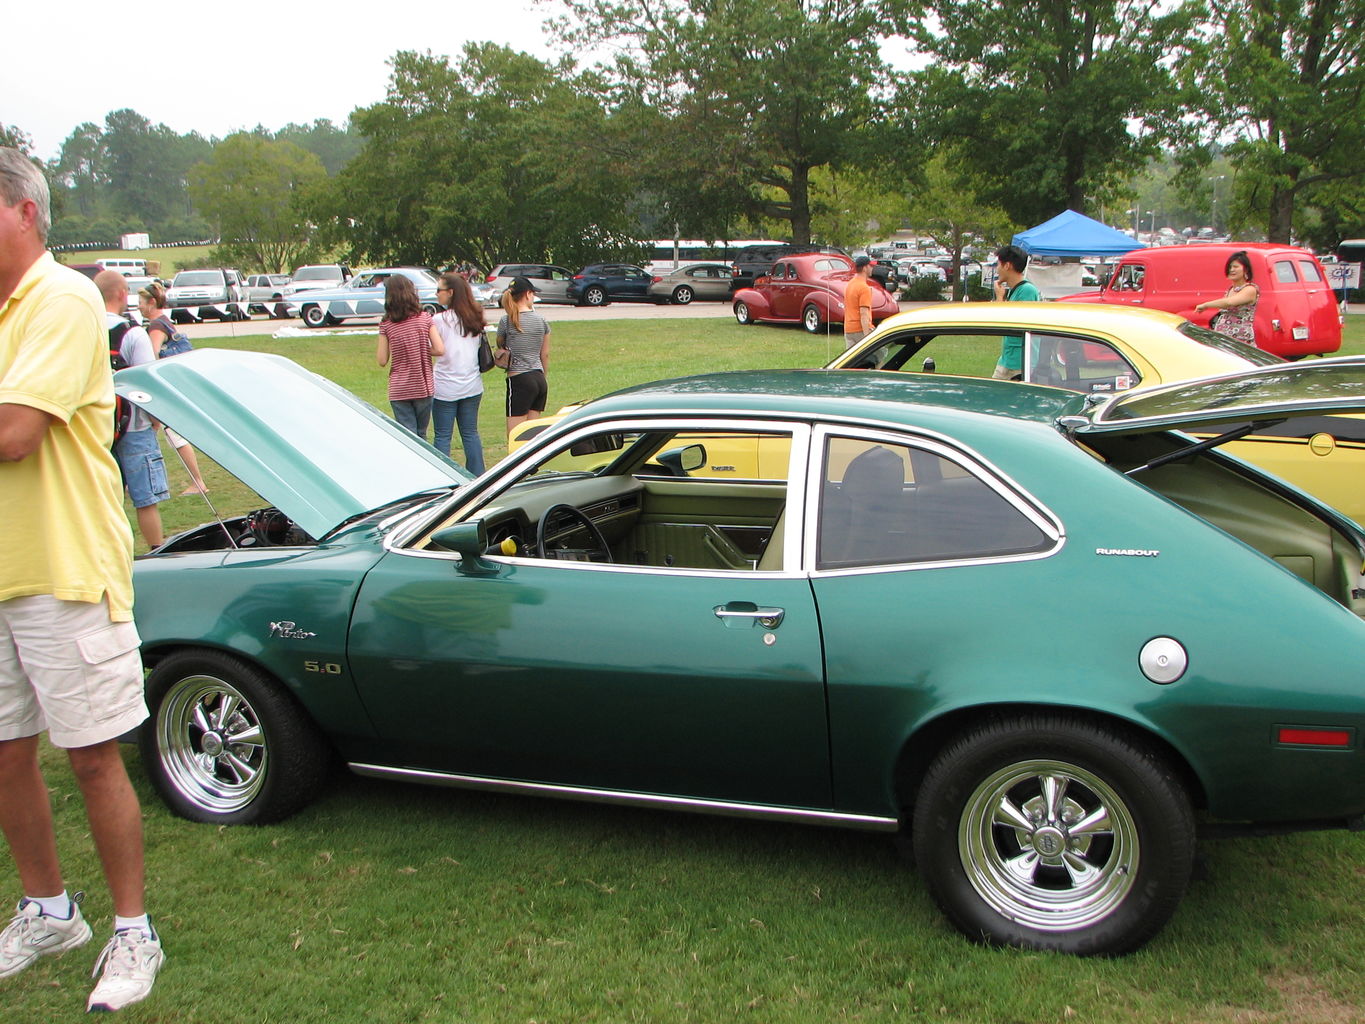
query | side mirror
[470, 542]
[683, 461]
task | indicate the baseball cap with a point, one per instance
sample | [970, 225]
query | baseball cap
[521, 285]
[863, 261]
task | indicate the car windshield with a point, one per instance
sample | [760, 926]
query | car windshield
[197, 277]
[318, 274]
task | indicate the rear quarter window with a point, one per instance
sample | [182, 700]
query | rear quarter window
[1285, 272]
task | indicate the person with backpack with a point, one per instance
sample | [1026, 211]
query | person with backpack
[135, 446]
[167, 341]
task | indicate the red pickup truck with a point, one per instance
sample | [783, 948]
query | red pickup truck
[1296, 313]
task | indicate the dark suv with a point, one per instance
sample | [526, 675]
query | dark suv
[756, 260]
[600, 283]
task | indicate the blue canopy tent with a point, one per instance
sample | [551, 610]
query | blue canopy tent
[1074, 234]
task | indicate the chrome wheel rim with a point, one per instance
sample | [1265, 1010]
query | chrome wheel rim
[812, 320]
[742, 313]
[1049, 845]
[211, 743]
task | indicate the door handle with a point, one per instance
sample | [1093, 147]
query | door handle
[768, 618]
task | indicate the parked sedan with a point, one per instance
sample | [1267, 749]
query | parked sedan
[551, 282]
[361, 296]
[600, 283]
[1100, 350]
[704, 281]
[590, 621]
[806, 289]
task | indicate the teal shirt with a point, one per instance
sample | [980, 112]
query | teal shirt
[1012, 345]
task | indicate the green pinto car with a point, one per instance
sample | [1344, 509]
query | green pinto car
[1051, 636]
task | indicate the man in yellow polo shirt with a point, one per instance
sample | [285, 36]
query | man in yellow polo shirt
[69, 660]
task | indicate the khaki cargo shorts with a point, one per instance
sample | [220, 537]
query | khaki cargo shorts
[66, 668]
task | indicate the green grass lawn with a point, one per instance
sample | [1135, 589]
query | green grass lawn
[385, 903]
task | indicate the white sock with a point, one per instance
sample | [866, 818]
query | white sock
[54, 906]
[143, 924]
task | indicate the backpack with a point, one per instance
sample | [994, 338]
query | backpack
[123, 410]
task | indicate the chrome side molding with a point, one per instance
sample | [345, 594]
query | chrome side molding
[722, 808]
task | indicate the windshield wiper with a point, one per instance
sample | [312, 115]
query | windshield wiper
[1205, 445]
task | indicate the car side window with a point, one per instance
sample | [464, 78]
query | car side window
[894, 504]
[1131, 277]
[1309, 271]
[1079, 364]
[1285, 272]
[558, 275]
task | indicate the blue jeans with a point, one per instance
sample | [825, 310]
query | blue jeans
[462, 413]
[413, 413]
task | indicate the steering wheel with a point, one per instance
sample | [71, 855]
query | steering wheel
[578, 521]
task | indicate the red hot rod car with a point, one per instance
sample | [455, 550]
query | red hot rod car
[806, 289]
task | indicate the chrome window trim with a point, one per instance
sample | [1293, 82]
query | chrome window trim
[588, 794]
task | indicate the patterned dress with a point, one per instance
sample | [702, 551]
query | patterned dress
[1238, 321]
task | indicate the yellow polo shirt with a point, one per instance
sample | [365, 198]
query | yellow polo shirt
[63, 530]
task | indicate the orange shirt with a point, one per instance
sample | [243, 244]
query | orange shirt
[858, 293]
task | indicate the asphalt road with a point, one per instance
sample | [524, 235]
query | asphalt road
[554, 312]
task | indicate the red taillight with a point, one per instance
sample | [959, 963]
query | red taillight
[1313, 737]
[578, 277]
[657, 280]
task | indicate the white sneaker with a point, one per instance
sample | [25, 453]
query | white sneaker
[32, 934]
[130, 960]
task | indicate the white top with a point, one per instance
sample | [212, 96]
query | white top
[136, 349]
[457, 372]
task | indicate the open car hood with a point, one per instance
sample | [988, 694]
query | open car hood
[1283, 391]
[307, 446]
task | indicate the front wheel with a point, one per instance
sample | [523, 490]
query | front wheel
[811, 319]
[683, 294]
[1052, 833]
[226, 743]
[595, 296]
[743, 314]
[314, 316]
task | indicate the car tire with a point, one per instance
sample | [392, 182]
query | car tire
[227, 744]
[683, 295]
[1005, 860]
[314, 316]
[811, 319]
[431, 308]
[743, 314]
[595, 296]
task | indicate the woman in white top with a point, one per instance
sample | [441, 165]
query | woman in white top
[459, 387]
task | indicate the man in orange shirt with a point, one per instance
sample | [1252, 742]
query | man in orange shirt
[858, 302]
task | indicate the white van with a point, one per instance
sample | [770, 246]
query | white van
[127, 267]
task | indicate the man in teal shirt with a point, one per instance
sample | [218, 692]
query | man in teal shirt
[1012, 286]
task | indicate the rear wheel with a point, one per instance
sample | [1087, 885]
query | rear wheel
[595, 296]
[431, 307]
[314, 316]
[1054, 833]
[226, 743]
[743, 314]
[683, 294]
[811, 319]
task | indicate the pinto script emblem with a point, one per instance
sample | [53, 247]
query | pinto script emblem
[289, 631]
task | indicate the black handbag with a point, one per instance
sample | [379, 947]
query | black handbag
[485, 355]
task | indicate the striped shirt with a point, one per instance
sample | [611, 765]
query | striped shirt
[410, 373]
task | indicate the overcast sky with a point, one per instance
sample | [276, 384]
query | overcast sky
[219, 67]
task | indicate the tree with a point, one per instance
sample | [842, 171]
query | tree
[1055, 102]
[755, 97]
[251, 189]
[947, 207]
[15, 138]
[1288, 77]
[496, 157]
[334, 146]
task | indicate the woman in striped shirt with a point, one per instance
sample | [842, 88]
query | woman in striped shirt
[408, 338]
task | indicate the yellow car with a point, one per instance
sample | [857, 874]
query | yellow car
[1103, 349]
[1087, 348]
